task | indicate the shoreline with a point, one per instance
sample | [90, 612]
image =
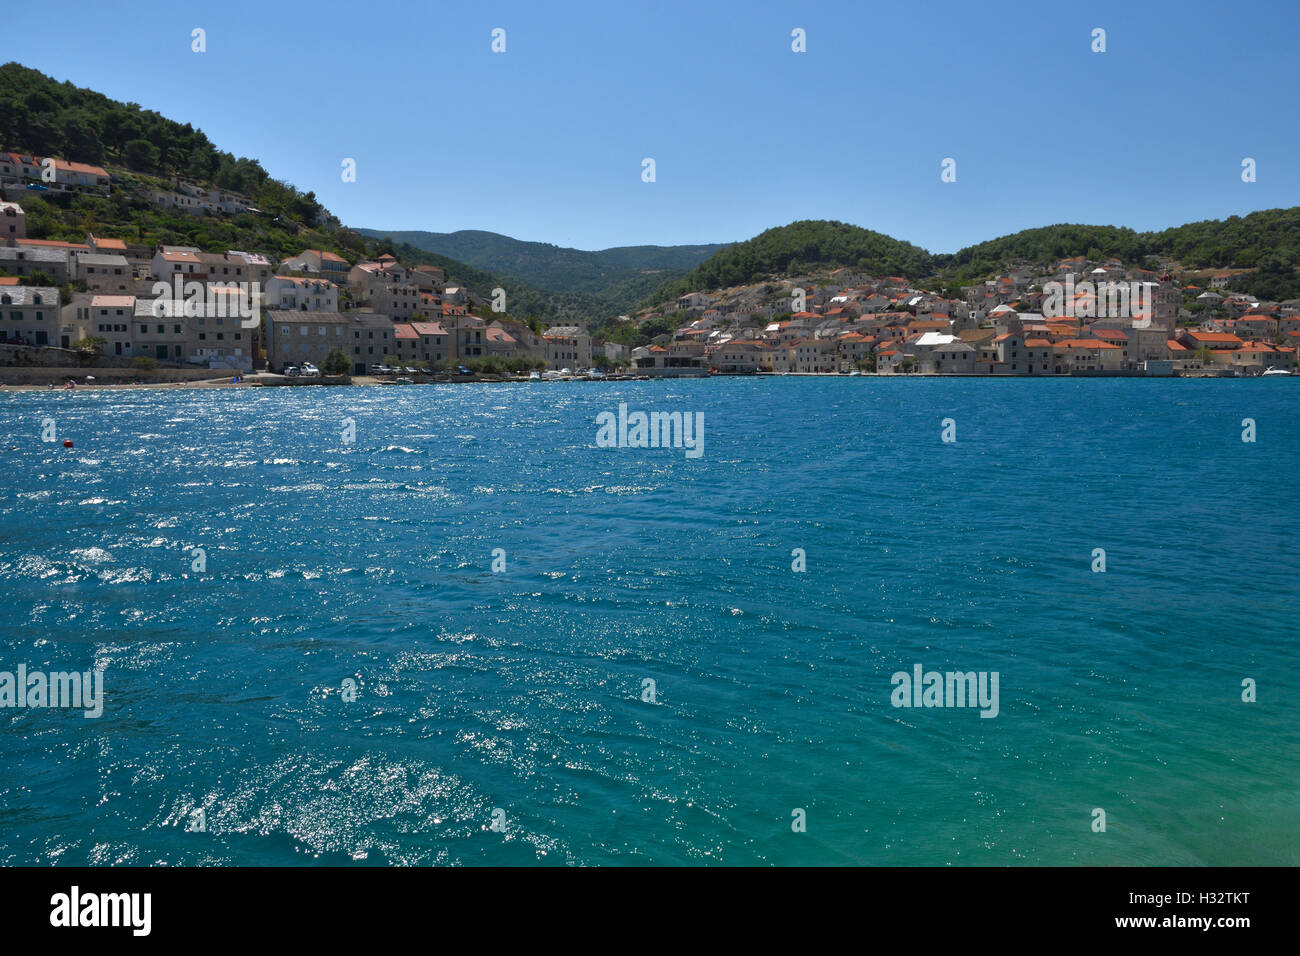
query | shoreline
[365, 381]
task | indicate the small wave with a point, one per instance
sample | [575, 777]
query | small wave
[97, 555]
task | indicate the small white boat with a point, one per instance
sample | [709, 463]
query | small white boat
[1276, 371]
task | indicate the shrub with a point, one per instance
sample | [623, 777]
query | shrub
[336, 363]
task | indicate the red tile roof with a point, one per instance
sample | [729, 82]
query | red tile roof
[51, 244]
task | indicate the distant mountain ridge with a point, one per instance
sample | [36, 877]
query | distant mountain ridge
[611, 278]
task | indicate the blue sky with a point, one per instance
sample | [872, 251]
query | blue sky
[545, 141]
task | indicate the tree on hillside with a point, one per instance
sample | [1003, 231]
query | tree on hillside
[142, 155]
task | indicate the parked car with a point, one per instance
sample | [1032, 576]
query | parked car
[309, 370]
[462, 370]
[291, 370]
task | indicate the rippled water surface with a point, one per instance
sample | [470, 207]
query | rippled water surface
[522, 691]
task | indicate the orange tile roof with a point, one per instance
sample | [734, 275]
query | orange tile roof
[58, 164]
[79, 168]
[51, 244]
[324, 256]
[1086, 344]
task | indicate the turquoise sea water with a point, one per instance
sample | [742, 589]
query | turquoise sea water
[521, 691]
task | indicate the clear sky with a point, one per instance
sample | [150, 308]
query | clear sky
[546, 140]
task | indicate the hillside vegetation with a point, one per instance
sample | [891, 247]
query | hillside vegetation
[1236, 242]
[607, 280]
[142, 150]
[46, 117]
[1268, 241]
[792, 249]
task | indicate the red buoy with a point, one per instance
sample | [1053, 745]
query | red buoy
[67, 443]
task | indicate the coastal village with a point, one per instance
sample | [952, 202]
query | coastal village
[236, 311]
[854, 323]
[61, 301]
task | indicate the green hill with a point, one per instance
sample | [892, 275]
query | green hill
[609, 279]
[143, 150]
[800, 246]
[523, 301]
[1239, 241]
[1268, 240]
[43, 116]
